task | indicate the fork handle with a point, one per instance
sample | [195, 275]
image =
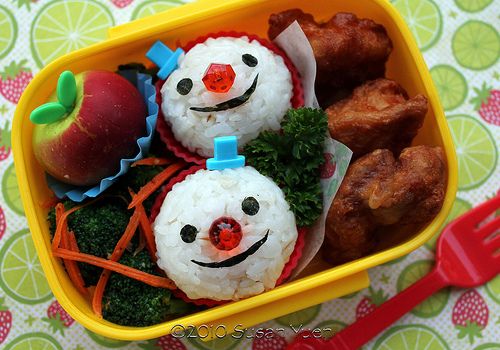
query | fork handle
[366, 328]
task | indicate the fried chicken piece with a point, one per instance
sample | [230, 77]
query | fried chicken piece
[348, 50]
[379, 191]
[378, 115]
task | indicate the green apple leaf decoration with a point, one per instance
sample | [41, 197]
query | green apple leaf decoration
[51, 112]
[66, 90]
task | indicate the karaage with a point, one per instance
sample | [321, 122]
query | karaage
[379, 190]
[348, 50]
[378, 115]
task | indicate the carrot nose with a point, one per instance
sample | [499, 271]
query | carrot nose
[225, 233]
[219, 77]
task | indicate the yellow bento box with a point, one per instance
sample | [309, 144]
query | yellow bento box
[129, 43]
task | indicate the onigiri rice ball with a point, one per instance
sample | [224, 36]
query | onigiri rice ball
[252, 63]
[224, 234]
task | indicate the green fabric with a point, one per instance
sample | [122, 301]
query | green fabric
[461, 46]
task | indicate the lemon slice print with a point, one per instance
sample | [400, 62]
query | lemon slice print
[8, 33]
[473, 5]
[21, 276]
[476, 45]
[451, 86]
[63, 26]
[34, 341]
[459, 207]
[424, 19]
[493, 289]
[226, 343]
[476, 151]
[488, 346]
[10, 190]
[151, 7]
[301, 317]
[330, 327]
[410, 337]
[434, 304]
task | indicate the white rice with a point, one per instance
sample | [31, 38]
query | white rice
[204, 197]
[263, 111]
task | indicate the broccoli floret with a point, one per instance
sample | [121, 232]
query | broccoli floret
[97, 227]
[130, 302]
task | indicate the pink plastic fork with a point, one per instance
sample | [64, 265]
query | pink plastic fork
[467, 255]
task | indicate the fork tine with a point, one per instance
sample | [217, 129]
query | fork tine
[481, 212]
[489, 228]
[493, 244]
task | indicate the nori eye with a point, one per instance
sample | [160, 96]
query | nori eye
[184, 86]
[250, 206]
[249, 60]
[188, 233]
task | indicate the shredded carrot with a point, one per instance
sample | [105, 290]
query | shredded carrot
[49, 203]
[147, 232]
[72, 268]
[73, 245]
[155, 183]
[115, 256]
[152, 280]
[152, 161]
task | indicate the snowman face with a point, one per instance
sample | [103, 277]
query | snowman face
[226, 86]
[230, 225]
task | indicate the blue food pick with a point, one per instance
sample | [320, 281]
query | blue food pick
[225, 154]
[166, 59]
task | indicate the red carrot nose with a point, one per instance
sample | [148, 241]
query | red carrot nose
[225, 233]
[219, 77]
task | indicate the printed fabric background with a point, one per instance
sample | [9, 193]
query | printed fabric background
[461, 44]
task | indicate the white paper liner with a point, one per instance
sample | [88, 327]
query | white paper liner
[295, 44]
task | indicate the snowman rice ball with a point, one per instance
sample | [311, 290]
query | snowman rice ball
[203, 99]
[225, 234]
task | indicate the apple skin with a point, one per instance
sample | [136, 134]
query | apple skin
[87, 145]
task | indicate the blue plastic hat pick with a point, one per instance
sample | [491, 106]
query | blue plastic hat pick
[225, 154]
[161, 55]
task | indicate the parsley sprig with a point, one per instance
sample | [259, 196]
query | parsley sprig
[292, 159]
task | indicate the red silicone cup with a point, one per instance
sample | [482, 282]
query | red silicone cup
[287, 269]
[164, 130]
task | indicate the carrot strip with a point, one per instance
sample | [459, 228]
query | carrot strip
[115, 256]
[72, 268]
[155, 183]
[49, 203]
[147, 231]
[152, 161]
[73, 245]
[152, 280]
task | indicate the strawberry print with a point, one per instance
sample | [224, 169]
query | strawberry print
[121, 3]
[269, 341]
[57, 318]
[5, 321]
[487, 103]
[27, 3]
[14, 79]
[328, 168]
[370, 302]
[166, 342]
[3, 223]
[470, 315]
[5, 141]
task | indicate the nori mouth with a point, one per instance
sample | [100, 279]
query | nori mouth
[232, 103]
[234, 260]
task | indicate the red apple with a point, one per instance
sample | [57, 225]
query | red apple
[86, 145]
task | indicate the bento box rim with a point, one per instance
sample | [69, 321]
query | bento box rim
[189, 13]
